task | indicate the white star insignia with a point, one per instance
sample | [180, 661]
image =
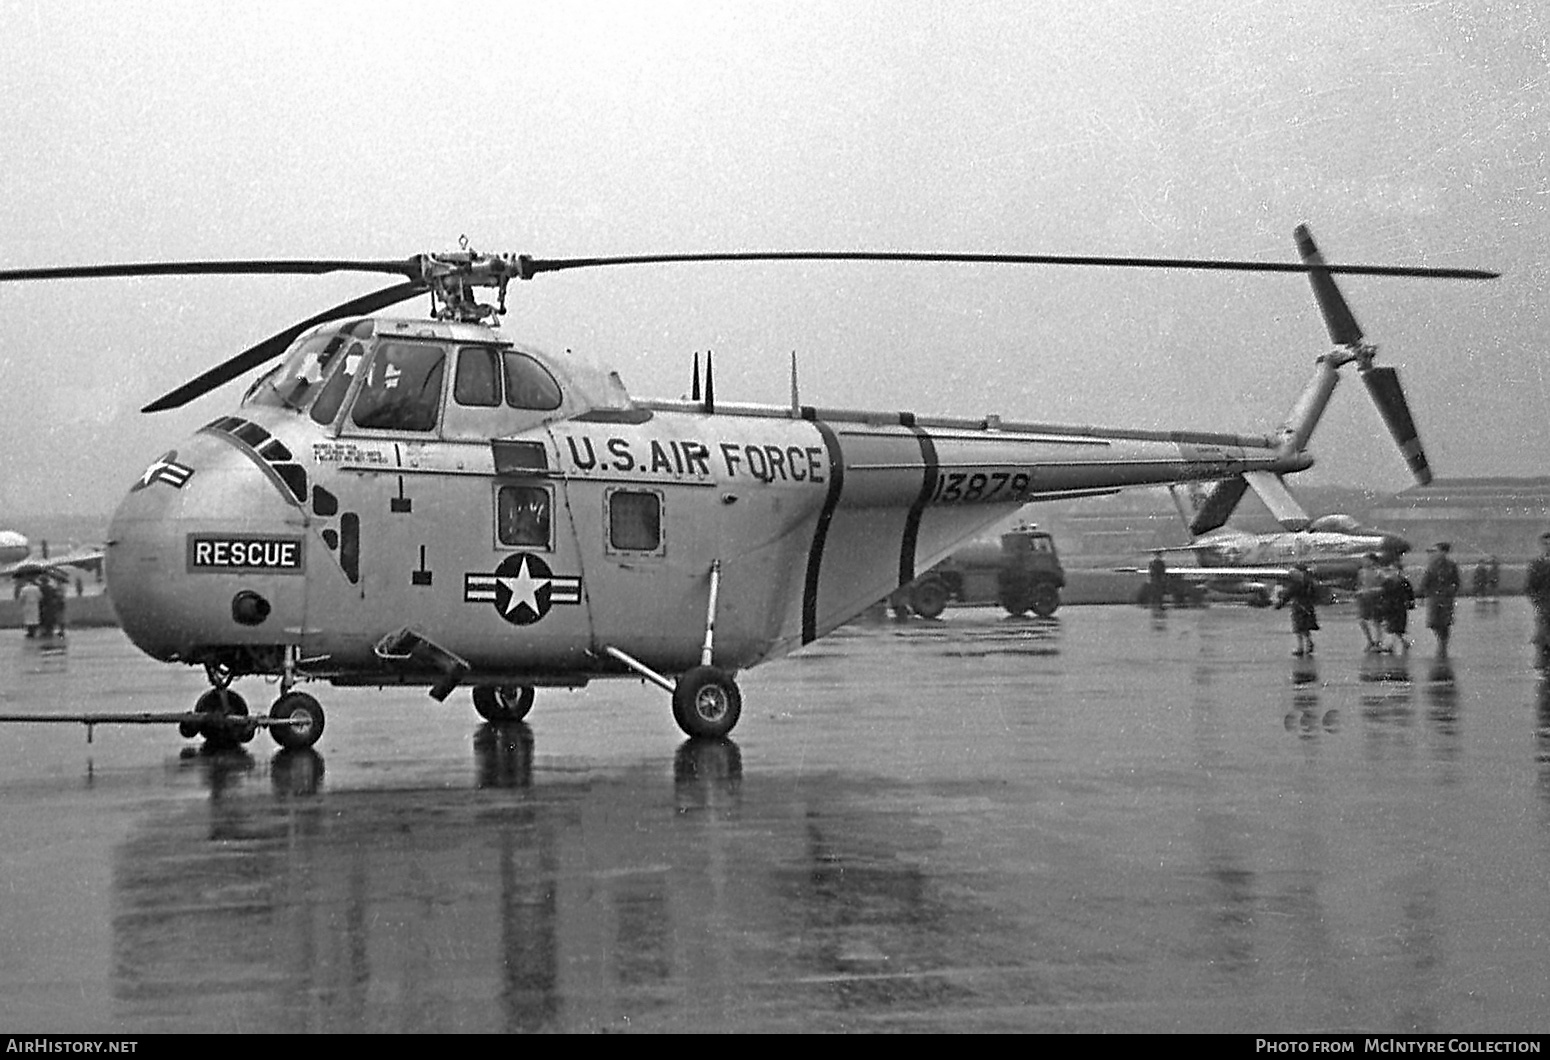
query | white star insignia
[523, 589]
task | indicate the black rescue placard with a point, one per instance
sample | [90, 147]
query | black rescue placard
[245, 553]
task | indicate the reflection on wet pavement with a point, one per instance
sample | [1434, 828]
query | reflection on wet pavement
[1112, 820]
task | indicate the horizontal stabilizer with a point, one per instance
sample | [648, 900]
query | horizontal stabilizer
[1283, 506]
[1217, 505]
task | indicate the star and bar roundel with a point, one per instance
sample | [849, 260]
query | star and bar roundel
[523, 589]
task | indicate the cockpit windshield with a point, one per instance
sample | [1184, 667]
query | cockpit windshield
[310, 367]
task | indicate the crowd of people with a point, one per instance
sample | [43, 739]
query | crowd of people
[42, 605]
[1385, 597]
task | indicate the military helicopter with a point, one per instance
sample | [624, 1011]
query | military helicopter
[426, 502]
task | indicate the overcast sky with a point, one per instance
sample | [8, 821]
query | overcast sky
[1406, 133]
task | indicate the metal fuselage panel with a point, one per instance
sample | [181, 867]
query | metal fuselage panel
[810, 520]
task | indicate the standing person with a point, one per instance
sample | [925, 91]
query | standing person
[1157, 579]
[1480, 582]
[1301, 593]
[48, 606]
[1439, 588]
[1395, 601]
[31, 598]
[1369, 587]
[1537, 588]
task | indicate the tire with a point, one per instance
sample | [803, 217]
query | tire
[293, 705]
[219, 703]
[707, 703]
[503, 702]
[1044, 599]
[929, 598]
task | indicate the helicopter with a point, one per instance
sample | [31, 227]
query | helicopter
[426, 502]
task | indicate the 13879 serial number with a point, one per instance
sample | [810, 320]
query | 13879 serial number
[974, 487]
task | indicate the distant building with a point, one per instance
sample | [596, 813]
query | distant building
[1480, 516]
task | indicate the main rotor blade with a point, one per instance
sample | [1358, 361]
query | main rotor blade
[296, 267]
[276, 344]
[532, 266]
[1341, 324]
[1383, 385]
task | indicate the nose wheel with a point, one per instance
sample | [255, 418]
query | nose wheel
[296, 720]
[223, 720]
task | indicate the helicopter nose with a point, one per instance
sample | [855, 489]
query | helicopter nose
[206, 556]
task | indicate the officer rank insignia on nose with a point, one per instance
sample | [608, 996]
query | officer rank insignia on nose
[523, 589]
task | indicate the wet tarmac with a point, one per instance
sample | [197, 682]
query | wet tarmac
[1109, 821]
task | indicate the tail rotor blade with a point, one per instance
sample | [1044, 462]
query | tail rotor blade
[1342, 326]
[276, 344]
[1383, 385]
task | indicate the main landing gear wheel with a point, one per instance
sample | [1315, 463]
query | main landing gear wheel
[306, 720]
[503, 703]
[220, 727]
[707, 703]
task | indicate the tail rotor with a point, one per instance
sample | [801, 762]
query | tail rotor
[1382, 382]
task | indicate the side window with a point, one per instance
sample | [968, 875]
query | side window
[402, 391]
[478, 381]
[634, 520]
[529, 384]
[522, 516]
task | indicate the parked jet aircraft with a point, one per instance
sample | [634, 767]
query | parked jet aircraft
[427, 502]
[1241, 563]
[19, 558]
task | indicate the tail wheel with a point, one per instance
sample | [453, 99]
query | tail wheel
[221, 706]
[503, 703]
[707, 703]
[305, 715]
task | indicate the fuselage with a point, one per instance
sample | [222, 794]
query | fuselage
[522, 513]
[1333, 557]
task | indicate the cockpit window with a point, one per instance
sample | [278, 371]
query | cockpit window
[302, 374]
[326, 407]
[402, 391]
[529, 384]
[478, 381]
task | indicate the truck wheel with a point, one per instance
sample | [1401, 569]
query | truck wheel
[929, 598]
[1044, 599]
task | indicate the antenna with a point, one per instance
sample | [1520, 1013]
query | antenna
[796, 402]
[710, 386]
[695, 393]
